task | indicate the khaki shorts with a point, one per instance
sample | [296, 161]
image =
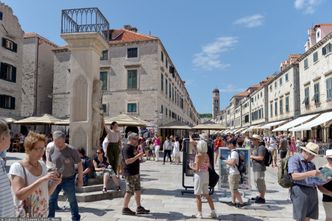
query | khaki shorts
[133, 183]
[259, 178]
[328, 209]
[234, 182]
[201, 183]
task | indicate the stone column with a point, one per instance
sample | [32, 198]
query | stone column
[85, 89]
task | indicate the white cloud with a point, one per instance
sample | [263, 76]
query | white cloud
[307, 6]
[250, 21]
[231, 89]
[209, 57]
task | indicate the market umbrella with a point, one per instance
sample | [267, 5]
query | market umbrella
[126, 120]
[45, 119]
[176, 125]
[8, 120]
[209, 127]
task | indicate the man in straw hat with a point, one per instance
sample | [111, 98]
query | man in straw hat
[304, 174]
[258, 167]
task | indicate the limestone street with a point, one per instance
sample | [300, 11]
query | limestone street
[162, 195]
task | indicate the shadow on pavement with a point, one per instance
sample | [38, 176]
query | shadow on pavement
[238, 217]
[97, 212]
[143, 179]
[264, 207]
[281, 202]
[169, 216]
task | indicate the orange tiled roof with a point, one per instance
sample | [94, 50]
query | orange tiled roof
[124, 35]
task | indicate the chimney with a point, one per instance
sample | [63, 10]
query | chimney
[130, 28]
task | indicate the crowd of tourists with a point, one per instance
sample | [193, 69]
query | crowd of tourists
[51, 165]
[296, 170]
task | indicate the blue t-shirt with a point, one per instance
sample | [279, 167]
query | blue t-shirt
[297, 164]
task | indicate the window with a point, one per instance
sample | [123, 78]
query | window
[7, 102]
[0, 15]
[166, 87]
[166, 63]
[170, 90]
[8, 44]
[162, 56]
[104, 108]
[329, 88]
[166, 111]
[316, 93]
[132, 79]
[104, 55]
[287, 104]
[286, 77]
[327, 49]
[271, 109]
[275, 84]
[270, 87]
[161, 82]
[132, 53]
[169, 113]
[306, 63]
[276, 107]
[315, 56]
[246, 119]
[132, 108]
[8, 72]
[280, 81]
[306, 96]
[281, 106]
[161, 109]
[103, 78]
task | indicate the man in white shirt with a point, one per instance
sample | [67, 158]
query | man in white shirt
[234, 174]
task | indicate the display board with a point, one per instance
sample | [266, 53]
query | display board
[244, 154]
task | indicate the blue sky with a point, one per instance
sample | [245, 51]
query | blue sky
[213, 43]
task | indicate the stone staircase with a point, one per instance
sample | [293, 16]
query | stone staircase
[93, 192]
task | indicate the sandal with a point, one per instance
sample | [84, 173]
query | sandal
[104, 190]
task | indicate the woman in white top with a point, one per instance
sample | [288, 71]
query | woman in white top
[7, 208]
[176, 151]
[30, 180]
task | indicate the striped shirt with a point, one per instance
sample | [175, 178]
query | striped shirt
[7, 208]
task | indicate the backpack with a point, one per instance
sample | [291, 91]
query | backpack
[267, 158]
[284, 179]
[241, 166]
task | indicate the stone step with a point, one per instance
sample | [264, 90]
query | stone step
[92, 188]
[95, 195]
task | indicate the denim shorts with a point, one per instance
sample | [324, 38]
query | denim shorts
[305, 202]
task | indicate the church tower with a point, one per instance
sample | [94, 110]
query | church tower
[215, 103]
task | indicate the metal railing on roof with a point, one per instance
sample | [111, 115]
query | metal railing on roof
[84, 20]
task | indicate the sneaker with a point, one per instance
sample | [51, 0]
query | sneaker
[128, 212]
[213, 215]
[255, 198]
[142, 210]
[260, 200]
[198, 216]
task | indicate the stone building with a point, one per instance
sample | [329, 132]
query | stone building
[315, 67]
[283, 92]
[138, 78]
[11, 35]
[37, 84]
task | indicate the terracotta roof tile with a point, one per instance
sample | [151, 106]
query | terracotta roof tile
[123, 35]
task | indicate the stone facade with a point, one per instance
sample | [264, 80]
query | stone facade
[258, 106]
[146, 98]
[11, 51]
[315, 68]
[283, 95]
[37, 84]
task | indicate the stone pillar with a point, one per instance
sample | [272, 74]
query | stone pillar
[85, 89]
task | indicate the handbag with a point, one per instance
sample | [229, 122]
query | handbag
[24, 208]
[213, 177]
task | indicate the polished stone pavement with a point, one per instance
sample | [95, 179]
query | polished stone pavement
[162, 185]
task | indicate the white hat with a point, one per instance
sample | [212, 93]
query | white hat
[256, 137]
[311, 148]
[328, 154]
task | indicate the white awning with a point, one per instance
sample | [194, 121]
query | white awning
[323, 118]
[269, 125]
[295, 122]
